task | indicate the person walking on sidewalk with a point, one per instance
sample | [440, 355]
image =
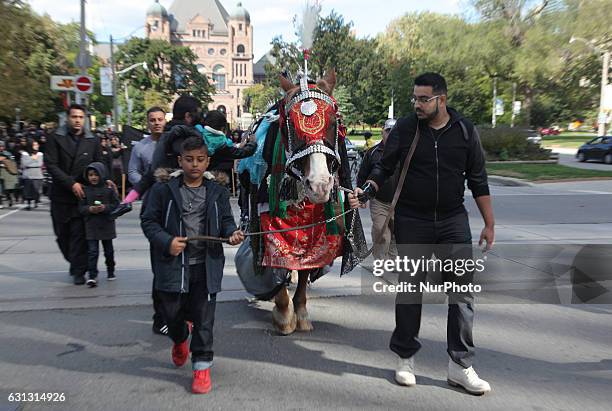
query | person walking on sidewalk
[188, 276]
[140, 164]
[31, 171]
[430, 218]
[383, 239]
[99, 201]
[67, 154]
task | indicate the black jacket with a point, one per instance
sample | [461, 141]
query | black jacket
[370, 158]
[162, 221]
[224, 157]
[66, 162]
[99, 226]
[435, 183]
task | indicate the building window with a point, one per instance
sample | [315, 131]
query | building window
[211, 52]
[240, 27]
[219, 77]
[223, 52]
[222, 109]
[240, 49]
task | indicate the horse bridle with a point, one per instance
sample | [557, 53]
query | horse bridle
[308, 107]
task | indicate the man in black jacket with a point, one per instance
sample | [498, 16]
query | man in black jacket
[68, 152]
[430, 218]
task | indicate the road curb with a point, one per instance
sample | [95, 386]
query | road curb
[508, 181]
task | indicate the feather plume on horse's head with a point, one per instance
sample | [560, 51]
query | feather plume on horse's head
[308, 25]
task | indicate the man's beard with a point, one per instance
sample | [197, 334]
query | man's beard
[430, 116]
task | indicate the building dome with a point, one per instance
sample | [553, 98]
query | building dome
[240, 13]
[157, 10]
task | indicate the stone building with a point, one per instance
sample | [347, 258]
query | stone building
[222, 41]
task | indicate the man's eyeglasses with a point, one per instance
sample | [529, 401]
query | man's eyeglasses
[423, 100]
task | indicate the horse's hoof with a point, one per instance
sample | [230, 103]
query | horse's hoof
[303, 322]
[284, 324]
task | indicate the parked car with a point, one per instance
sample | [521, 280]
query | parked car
[351, 149]
[549, 131]
[533, 136]
[599, 148]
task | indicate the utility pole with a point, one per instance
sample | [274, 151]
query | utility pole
[513, 100]
[114, 80]
[601, 131]
[493, 115]
[82, 51]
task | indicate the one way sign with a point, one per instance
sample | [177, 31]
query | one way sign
[63, 83]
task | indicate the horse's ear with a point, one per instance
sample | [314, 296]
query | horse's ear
[285, 83]
[328, 82]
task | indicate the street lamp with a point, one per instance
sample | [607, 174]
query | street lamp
[127, 97]
[601, 131]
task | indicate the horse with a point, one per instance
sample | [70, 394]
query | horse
[307, 164]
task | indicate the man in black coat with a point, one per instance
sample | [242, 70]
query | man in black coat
[68, 152]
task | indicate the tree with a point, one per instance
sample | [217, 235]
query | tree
[259, 96]
[171, 71]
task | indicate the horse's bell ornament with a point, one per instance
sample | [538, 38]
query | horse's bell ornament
[308, 108]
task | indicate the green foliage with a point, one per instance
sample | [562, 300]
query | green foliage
[258, 96]
[504, 143]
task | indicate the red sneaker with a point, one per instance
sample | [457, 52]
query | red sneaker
[180, 353]
[201, 382]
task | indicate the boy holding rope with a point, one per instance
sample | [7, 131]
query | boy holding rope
[188, 273]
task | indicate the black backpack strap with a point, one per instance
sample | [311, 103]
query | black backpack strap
[466, 135]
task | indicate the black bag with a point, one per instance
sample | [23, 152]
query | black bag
[263, 286]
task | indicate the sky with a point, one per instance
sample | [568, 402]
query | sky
[269, 18]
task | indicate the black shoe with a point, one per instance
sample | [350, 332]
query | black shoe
[92, 283]
[110, 276]
[79, 279]
[121, 210]
[161, 329]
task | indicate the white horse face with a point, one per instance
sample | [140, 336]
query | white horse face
[318, 182]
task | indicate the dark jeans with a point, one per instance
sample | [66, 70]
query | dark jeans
[447, 239]
[93, 250]
[158, 319]
[197, 305]
[69, 228]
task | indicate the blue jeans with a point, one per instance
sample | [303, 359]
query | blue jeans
[93, 249]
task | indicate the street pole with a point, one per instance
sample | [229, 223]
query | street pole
[114, 80]
[513, 100]
[493, 116]
[82, 50]
[17, 119]
[601, 131]
[127, 103]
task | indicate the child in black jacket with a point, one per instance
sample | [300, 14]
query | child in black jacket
[187, 277]
[99, 202]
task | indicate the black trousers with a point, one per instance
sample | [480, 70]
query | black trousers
[93, 250]
[158, 319]
[199, 307]
[448, 239]
[69, 229]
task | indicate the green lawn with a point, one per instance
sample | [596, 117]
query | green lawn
[568, 139]
[543, 172]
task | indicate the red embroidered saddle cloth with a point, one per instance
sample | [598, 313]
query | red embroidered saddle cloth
[299, 249]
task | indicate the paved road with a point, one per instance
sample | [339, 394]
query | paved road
[97, 347]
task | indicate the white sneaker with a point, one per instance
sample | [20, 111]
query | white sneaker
[467, 379]
[404, 374]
